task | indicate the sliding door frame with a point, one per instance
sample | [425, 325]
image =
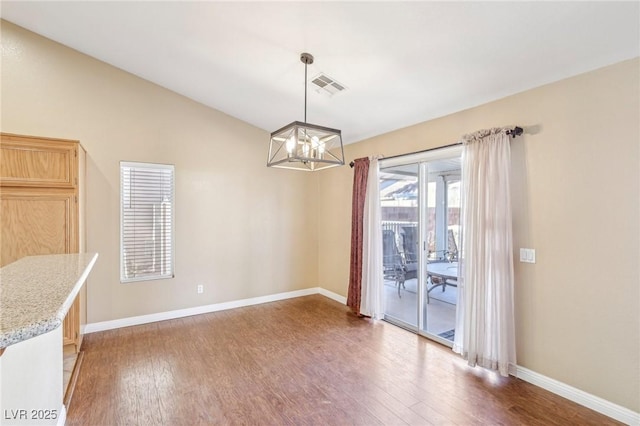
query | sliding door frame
[422, 159]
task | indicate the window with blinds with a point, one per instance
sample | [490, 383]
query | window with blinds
[146, 221]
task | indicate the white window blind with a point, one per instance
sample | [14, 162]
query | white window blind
[146, 221]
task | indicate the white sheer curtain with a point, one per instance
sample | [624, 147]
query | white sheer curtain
[372, 303]
[485, 332]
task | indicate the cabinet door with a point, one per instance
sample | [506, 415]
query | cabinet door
[36, 221]
[38, 162]
[71, 325]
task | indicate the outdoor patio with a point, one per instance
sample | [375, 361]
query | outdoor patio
[440, 311]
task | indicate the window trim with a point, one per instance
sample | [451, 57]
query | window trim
[146, 165]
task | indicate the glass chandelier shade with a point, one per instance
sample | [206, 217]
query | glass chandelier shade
[305, 146]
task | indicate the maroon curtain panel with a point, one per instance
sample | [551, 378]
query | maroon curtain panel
[360, 173]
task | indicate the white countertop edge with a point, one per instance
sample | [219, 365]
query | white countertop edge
[30, 331]
[62, 312]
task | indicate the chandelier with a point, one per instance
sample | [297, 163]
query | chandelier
[305, 146]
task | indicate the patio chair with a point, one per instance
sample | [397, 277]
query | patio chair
[410, 244]
[392, 261]
[410, 251]
[452, 248]
[449, 255]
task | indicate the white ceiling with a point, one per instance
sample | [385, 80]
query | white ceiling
[402, 62]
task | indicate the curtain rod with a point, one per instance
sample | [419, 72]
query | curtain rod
[516, 131]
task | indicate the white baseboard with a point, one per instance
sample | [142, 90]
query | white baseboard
[332, 295]
[181, 313]
[578, 396]
[573, 394]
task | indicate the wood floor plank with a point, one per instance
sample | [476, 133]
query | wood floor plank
[303, 361]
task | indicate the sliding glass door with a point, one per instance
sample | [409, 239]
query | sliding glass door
[399, 198]
[441, 217]
[420, 203]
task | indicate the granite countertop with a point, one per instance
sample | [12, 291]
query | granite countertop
[36, 293]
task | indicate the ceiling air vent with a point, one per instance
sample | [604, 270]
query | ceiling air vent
[326, 84]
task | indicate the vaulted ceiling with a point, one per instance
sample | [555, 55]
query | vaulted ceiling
[401, 62]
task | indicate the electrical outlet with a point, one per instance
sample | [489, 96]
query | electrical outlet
[200, 289]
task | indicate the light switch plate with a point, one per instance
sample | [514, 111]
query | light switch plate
[527, 255]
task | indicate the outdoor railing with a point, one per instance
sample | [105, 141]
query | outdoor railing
[396, 225]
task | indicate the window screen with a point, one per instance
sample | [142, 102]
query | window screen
[146, 221]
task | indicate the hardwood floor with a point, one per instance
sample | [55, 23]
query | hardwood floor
[301, 361]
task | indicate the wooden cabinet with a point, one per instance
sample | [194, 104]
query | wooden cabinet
[37, 162]
[41, 205]
[37, 221]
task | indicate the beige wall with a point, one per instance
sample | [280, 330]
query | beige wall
[241, 229]
[575, 188]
